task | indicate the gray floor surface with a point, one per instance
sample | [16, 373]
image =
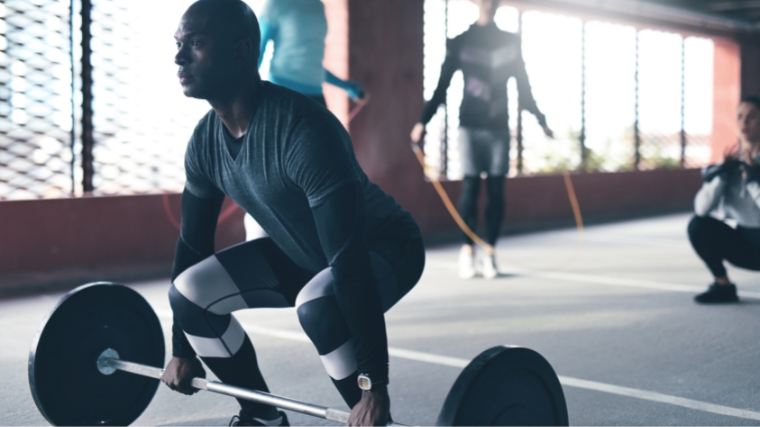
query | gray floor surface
[616, 312]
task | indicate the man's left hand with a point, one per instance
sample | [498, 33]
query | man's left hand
[374, 409]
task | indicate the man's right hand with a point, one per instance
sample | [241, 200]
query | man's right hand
[180, 372]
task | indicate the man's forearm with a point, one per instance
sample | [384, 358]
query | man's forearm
[340, 223]
[359, 301]
[195, 243]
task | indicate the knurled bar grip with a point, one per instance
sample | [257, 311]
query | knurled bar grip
[238, 392]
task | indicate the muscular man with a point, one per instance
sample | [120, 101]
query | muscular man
[488, 58]
[340, 249]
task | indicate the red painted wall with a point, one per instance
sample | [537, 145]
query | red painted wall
[541, 200]
[93, 238]
[71, 241]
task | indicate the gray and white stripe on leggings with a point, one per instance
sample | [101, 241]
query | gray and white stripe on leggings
[204, 296]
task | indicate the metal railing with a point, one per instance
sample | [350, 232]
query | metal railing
[36, 102]
[89, 101]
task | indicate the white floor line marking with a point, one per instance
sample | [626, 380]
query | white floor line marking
[565, 381]
[637, 241]
[598, 280]
[661, 398]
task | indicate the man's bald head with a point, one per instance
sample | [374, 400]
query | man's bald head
[231, 20]
[217, 49]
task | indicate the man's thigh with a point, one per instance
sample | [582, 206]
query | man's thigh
[397, 265]
[253, 274]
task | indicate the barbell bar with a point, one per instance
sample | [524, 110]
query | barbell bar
[109, 361]
[94, 361]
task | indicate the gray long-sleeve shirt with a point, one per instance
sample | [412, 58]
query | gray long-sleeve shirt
[730, 196]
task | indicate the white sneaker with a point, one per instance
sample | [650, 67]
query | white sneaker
[466, 263]
[489, 266]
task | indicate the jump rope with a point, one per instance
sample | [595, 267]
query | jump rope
[489, 249]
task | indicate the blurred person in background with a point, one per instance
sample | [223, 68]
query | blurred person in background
[297, 29]
[731, 190]
[488, 57]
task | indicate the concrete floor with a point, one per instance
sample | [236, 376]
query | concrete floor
[615, 318]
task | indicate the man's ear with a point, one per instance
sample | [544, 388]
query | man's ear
[244, 50]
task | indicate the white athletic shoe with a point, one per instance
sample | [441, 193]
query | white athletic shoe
[466, 263]
[489, 266]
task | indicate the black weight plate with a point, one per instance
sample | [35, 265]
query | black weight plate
[66, 384]
[505, 386]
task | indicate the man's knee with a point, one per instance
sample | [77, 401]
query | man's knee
[182, 308]
[323, 322]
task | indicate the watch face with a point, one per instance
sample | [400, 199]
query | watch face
[364, 382]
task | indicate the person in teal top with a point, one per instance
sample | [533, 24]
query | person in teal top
[298, 29]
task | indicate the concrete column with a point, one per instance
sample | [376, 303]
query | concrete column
[336, 55]
[750, 65]
[726, 94]
[379, 43]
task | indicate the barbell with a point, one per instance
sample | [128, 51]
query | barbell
[96, 358]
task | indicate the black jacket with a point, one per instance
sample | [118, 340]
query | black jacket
[488, 57]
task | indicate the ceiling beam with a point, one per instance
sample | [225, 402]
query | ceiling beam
[649, 12]
[726, 6]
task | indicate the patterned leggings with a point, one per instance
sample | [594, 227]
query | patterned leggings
[258, 274]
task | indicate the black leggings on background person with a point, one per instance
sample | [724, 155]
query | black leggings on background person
[715, 241]
[468, 205]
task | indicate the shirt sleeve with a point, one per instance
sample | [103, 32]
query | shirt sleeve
[318, 156]
[340, 221]
[524, 91]
[353, 89]
[709, 196]
[197, 181]
[449, 67]
[195, 243]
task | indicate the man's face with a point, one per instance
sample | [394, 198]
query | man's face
[748, 122]
[204, 58]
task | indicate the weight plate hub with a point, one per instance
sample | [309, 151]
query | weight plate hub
[64, 378]
[506, 386]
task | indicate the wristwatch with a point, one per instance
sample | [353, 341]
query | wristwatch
[365, 383]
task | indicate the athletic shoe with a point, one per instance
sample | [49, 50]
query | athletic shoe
[282, 420]
[466, 263]
[489, 266]
[717, 294]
